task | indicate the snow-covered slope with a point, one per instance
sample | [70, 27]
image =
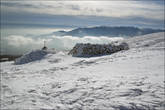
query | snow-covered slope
[31, 57]
[126, 80]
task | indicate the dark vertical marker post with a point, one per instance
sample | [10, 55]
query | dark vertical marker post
[44, 48]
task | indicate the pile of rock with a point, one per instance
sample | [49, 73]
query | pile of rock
[89, 50]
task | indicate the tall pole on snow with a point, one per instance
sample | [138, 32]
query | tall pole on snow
[44, 43]
[44, 48]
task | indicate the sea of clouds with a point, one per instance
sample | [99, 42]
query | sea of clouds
[18, 44]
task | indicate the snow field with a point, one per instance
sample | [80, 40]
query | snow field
[126, 80]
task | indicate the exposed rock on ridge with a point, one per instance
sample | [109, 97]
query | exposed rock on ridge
[89, 50]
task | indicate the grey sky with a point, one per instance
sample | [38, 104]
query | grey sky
[148, 13]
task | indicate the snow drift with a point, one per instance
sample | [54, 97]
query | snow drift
[31, 56]
[89, 50]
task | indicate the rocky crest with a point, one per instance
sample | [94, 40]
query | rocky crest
[89, 50]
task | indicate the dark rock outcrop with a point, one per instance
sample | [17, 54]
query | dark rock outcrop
[89, 50]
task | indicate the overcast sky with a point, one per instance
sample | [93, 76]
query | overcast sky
[142, 13]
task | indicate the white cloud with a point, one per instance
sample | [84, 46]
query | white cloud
[16, 44]
[69, 41]
[18, 41]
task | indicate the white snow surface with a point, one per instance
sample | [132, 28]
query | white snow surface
[127, 80]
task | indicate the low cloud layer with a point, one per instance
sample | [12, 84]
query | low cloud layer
[19, 44]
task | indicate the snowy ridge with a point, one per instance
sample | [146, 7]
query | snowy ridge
[108, 31]
[126, 80]
[150, 40]
[31, 56]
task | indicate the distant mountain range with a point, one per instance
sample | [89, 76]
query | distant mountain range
[108, 31]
